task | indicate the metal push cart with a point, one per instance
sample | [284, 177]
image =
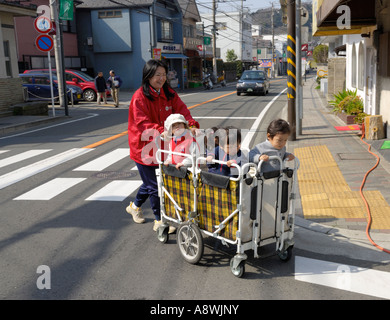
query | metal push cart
[249, 210]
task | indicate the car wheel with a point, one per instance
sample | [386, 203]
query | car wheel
[89, 95]
[238, 93]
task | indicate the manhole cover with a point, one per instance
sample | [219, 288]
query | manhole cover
[113, 175]
[355, 156]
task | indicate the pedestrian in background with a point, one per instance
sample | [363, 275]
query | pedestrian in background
[150, 106]
[114, 82]
[100, 85]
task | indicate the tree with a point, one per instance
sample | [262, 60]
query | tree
[231, 56]
[320, 53]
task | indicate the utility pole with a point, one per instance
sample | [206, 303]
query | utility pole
[299, 103]
[59, 56]
[291, 67]
[273, 42]
[214, 40]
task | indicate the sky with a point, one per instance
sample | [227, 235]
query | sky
[235, 5]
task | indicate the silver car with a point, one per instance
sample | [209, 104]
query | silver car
[253, 81]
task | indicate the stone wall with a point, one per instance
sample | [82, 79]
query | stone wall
[336, 76]
[11, 92]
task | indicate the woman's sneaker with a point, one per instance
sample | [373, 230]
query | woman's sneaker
[157, 224]
[136, 213]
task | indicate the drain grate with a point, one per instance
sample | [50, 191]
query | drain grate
[355, 156]
[113, 175]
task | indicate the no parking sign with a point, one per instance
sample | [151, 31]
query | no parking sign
[44, 42]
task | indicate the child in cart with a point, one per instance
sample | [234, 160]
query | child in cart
[181, 141]
[278, 132]
[228, 151]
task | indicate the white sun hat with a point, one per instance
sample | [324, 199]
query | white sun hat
[174, 118]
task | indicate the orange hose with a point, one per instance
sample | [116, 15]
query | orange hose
[364, 199]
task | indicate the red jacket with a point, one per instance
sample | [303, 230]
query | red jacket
[184, 144]
[146, 122]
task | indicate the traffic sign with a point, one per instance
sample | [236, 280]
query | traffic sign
[42, 24]
[44, 42]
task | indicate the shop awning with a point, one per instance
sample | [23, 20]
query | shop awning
[174, 56]
[325, 16]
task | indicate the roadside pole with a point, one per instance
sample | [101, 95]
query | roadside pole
[299, 103]
[51, 83]
[59, 52]
[291, 67]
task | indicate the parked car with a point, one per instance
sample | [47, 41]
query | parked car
[253, 81]
[77, 78]
[38, 87]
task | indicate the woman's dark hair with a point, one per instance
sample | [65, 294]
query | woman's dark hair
[278, 126]
[149, 70]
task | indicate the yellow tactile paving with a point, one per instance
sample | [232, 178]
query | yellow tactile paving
[380, 217]
[325, 194]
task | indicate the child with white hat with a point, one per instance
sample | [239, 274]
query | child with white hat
[181, 141]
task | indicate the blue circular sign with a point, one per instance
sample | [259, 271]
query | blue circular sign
[44, 43]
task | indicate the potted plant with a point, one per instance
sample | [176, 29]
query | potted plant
[347, 105]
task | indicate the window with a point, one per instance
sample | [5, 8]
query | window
[166, 30]
[7, 57]
[353, 66]
[109, 14]
[361, 67]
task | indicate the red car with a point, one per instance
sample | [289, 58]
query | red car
[79, 79]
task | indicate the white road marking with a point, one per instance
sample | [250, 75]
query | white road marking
[2, 151]
[22, 156]
[40, 166]
[345, 277]
[117, 190]
[248, 138]
[105, 161]
[91, 115]
[50, 189]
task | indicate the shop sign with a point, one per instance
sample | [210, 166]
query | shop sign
[169, 47]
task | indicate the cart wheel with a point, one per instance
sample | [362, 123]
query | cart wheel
[286, 255]
[190, 242]
[240, 270]
[162, 235]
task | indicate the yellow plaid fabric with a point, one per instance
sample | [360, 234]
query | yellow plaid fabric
[215, 205]
[182, 191]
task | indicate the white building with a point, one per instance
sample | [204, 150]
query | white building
[234, 31]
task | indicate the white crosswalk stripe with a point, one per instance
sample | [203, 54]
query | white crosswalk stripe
[50, 189]
[22, 156]
[116, 190]
[40, 166]
[105, 161]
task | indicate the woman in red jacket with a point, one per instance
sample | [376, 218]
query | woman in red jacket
[150, 105]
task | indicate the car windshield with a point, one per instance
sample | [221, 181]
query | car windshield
[253, 75]
[83, 75]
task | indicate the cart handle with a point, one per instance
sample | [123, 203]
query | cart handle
[222, 162]
[271, 158]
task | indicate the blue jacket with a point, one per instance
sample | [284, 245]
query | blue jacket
[116, 78]
[223, 169]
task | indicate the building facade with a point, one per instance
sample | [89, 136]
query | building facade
[11, 91]
[123, 35]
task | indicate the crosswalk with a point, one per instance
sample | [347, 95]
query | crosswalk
[116, 190]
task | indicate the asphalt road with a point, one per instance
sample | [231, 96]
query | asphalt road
[91, 248]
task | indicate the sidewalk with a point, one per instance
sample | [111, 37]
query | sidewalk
[332, 166]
